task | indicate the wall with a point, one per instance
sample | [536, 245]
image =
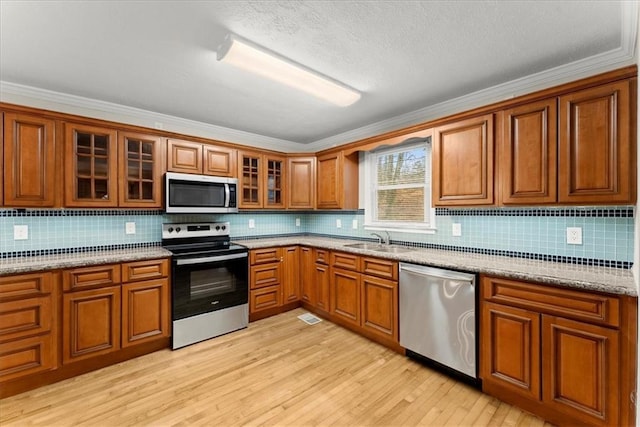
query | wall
[536, 233]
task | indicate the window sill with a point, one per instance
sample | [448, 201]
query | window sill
[396, 229]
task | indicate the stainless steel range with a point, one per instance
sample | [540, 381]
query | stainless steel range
[209, 276]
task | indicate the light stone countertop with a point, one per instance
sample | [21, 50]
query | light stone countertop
[53, 262]
[602, 279]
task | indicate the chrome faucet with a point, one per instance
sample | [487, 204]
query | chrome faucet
[382, 240]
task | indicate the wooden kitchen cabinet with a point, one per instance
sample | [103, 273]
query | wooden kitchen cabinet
[322, 276]
[345, 296]
[140, 170]
[146, 311]
[90, 166]
[462, 161]
[307, 276]
[379, 308]
[597, 160]
[528, 154]
[337, 181]
[301, 182]
[261, 180]
[558, 353]
[197, 158]
[274, 281]
[28, 317]
[29, 151]
[91, 323]
[291, 280]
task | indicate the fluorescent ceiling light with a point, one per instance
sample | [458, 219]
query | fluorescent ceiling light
[258, 60]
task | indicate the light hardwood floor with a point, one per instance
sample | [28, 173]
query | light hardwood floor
[279, 371]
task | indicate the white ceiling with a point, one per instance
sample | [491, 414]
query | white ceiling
[403, 55]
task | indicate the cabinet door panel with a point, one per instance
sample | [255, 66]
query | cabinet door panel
[90, 323]
[27, 356]
[249, 180]
[91, 277]
[25, 285]
[302, 183]
[596, 159]
[380, 306]
[265, 256]
[323, 287]
[345, 296]
[265, 275]
[307, 276]
[581, 372]
[145, 270]
[463, 163]
[291, 279]
[219, 161]
[184, 156]
[140, 171]
[528, 154]
[25, 317]
[510, 349]
[264, 298]
[145, 311]
[29, 155]
[274, 184]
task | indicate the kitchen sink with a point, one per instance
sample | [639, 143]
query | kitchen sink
[378, 247]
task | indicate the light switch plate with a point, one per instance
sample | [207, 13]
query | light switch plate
[252, 223]
[574, 235]
[338, 223]
[456, 229]
[297, 222]
[20, 232]
[354, 224]
[130, 228]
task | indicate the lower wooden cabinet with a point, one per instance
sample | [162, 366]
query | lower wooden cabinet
[27, 356]
[264, 298]
[145, 311]
[345, 296]
[274, 280]
[307, 276]
[379, 305]
[322, 287]
[558, 353]
[291, 280]
[91, 323]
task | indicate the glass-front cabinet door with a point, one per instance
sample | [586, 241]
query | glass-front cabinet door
[90, 166]
[249, 179]
[140, 170]
[275, 179]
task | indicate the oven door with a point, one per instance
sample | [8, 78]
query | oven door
[206, 283]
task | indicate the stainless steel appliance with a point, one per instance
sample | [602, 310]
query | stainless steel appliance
[186, 193]
[437, 316]
[209, 281]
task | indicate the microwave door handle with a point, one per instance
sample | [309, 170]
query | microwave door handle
[203, 260]
[227, 195]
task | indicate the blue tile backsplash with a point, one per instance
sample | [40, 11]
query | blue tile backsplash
[607, 233]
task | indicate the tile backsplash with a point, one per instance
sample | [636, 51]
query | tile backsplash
[607, 233]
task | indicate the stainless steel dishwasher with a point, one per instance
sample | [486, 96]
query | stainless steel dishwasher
[437, 316]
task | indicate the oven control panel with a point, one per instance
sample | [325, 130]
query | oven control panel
[200, 229]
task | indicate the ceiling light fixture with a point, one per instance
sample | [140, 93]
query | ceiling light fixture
[246, 55]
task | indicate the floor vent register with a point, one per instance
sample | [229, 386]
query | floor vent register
[309, 319]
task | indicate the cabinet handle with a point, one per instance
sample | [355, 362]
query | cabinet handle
[281, 258]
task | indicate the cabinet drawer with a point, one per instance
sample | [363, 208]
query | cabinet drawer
[91, 277]
[262, 299]
[266, 275]
[27, 356]
[321, 256]
[25, 317]
[345, 261]
[145, 270]
[262, 256]
[25, 285]
[578, 305]
[380, 267]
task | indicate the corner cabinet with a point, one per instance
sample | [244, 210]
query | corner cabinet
[141, 165]
[29, 175]
[462, 161]
[91, 166]
[337, 181]
[597, 153]
[261, 180]
[558, 353]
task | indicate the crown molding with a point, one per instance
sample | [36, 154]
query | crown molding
[623, 56]
[71, 104]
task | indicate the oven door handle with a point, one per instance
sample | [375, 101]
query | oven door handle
[203, 260]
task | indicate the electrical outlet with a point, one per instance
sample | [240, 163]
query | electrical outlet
[456, 230]
[297, 222]
[338, 223]
[252, 223]
[130, 228]
[354, 224]
[574, 236]
[20, 232]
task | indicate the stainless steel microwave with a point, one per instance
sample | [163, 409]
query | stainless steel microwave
[186, 193]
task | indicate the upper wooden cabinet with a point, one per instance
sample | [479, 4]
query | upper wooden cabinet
[527, 150]
[90, 166]
[597, 160]
[337, 181]
[140, 170]
[29, 167]
[193, 157]
[462, 160]
[261, 180]
[302, 183]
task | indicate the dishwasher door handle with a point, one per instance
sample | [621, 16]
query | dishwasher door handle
[440, 274]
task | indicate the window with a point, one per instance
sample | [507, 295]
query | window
[398, 187]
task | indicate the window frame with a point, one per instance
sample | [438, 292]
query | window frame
[371, 187]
